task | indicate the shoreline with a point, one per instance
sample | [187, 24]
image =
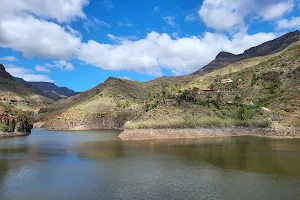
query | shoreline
[211, 132]
[17, 134]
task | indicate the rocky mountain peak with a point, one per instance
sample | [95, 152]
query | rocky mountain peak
[3, 73]
[224, 58]
[224, 54]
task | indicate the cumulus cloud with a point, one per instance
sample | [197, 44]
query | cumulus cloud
[224, 15]
[293, 23]
[40, 68]
[37, 37]
[276, 10]
[26, 74]
[119, 39]
[156, 51]
[170, 20]
[60, 10]
[9, 59]
[61, 64]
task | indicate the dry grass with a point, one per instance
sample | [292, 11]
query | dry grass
[195, 122]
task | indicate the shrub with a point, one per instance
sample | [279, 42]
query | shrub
[3, 127]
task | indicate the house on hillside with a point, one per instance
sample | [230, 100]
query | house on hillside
[227, 81]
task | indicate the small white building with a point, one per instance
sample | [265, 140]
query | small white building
[227, 81]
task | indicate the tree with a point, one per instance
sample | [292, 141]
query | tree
[241, 113]
[238, 100]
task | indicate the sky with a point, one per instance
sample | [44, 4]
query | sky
[81, 43]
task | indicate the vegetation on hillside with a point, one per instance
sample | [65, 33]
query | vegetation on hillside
[248, 93]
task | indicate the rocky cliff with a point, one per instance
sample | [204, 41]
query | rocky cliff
[4, 74]
[11, 125]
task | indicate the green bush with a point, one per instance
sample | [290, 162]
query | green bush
[3, 127]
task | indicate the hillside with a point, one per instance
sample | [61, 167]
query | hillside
[19, 95]
[276, 45]
[248, 92]
[49, 90]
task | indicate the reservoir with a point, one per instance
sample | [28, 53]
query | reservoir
[67, 165]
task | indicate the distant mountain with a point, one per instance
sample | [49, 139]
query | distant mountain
[224, 58]
[19, 95]
[49, 90]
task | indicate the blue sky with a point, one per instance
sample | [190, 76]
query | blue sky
[80, 43]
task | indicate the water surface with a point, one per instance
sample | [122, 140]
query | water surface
[97, 165]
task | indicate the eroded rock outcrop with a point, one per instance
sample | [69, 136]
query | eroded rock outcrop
[10, 124]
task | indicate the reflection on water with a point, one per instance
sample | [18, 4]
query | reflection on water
[239, 153]
[97, 165]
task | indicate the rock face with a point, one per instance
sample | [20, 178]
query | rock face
[224, 58]
[14, 124]
[4, 74]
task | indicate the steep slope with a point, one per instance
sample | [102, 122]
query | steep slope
[19, 95]
[108, 105]
[49, 90]
[276, 45]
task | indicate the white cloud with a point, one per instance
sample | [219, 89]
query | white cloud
[125, 77]
[156, 51]
[34, 37]
[112, 37]
[191, 17]
[45, 39]
[107, 3]
[170, 20]
[94, 23]
[40, 68]
[60, 10]
[293, 23]
[125, 23]
[9, 59]
[224, 15]
[276, 10]
[118, 39]
[26, 74]
[175, 34]
[61, 64]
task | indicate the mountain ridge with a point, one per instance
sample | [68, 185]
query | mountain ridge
[267, 48]
[49, 90]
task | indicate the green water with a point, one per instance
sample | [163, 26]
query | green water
[97, 165]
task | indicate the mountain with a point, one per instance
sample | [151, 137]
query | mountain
[263, 83]
[49, 90]
[19, 95]
[270, 47]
